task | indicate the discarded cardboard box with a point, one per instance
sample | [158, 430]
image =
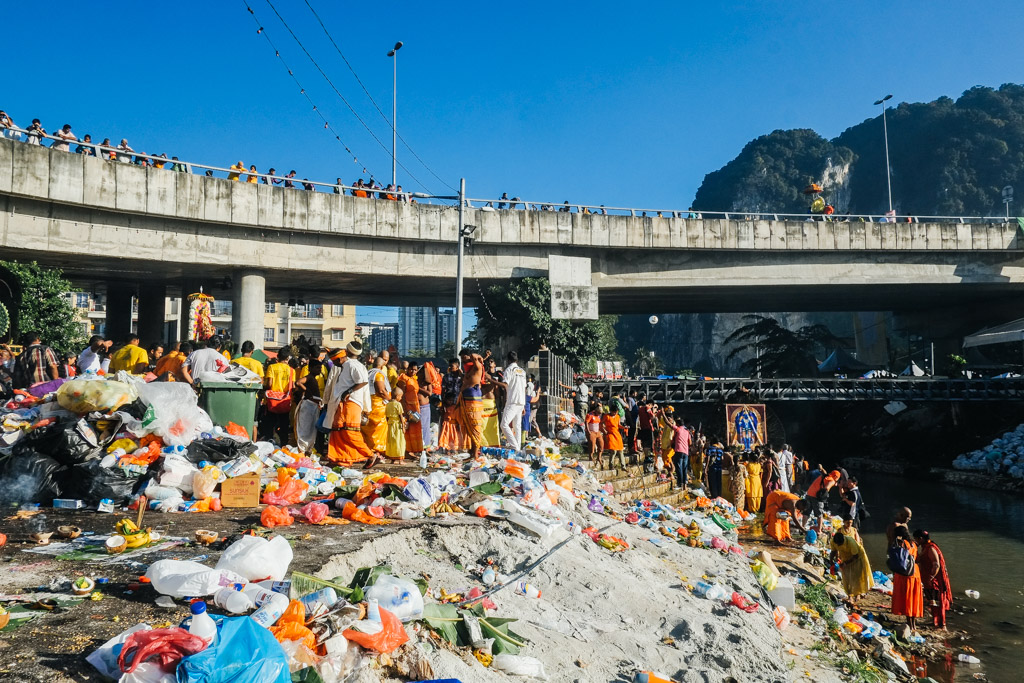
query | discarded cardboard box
[241, 492]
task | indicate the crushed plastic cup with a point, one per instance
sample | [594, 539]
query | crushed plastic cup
[968, 659]
[972, 594]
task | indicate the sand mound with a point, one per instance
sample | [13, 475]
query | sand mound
[602, 615]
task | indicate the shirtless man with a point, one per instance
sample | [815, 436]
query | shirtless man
[471, 400]
[902, 520]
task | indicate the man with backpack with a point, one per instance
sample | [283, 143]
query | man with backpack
[37, 362]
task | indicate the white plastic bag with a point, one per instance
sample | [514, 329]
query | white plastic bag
[257, 558]
[184, 578]
[177, 471]
[401, 597]
[149, 672]
[173, 412]
[104, 658]
[519, 665]
[203, 485]
[305, 424]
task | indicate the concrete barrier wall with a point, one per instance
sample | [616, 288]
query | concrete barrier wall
[41, 173]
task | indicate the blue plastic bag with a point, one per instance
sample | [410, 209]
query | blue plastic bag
[244, 652]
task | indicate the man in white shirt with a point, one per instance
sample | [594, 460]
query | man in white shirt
[204, 361]
[785, 460]
[89, 360]
[347, 399]
[515, 401]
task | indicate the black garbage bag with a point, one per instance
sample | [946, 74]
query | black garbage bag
[31, 478]
[218, 450]
[69, 441]
[92, 483]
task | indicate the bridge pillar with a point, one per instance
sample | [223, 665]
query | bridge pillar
[119, 312]
[152, 303]
[248, 305]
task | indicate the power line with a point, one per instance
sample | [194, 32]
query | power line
[340, 96]
[379, 111]
[302, 91]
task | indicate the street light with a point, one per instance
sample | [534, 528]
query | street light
[394, 113]
[885, 130]
[464, 231]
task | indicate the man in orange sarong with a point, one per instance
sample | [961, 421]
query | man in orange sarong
[471, 407]
[347, 397]
[780, 501]
[907, 591]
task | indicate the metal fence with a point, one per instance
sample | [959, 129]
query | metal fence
[555, 376]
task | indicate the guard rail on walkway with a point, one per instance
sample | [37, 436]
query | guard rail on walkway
[829, 389]
[504, 203]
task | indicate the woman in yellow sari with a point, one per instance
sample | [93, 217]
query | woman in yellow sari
[755, 491]
[375, 431]
[853, 561]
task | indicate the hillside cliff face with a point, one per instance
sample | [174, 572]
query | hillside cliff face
[947, 158]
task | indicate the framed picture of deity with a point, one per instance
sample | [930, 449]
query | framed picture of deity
[746, 426]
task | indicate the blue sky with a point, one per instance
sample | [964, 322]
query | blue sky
[599, 102]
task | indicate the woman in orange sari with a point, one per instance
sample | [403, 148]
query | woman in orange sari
[411, 402]
[375, 431]
[907, 593]
[934, 578]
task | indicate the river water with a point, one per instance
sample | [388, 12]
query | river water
[981, 534]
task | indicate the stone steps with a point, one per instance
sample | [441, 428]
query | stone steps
[632, 484]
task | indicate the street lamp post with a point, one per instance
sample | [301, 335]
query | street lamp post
[394, 113]
[458, 267]
[885, 131]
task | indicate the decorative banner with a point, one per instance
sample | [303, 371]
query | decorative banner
[745, 426]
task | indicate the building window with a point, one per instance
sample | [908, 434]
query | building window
[268, 334]
[337, 335]
[270, 307]
[81, 300]
[338, 310]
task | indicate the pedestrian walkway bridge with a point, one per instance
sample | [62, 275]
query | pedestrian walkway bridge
[741, 390]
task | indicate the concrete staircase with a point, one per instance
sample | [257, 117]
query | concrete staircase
[632, 484]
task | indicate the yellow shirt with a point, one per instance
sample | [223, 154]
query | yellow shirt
[321, 378]
[250, 363]
[127, 357]
[392, 376]
[280, 376]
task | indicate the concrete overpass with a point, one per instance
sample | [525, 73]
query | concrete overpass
[155, 232]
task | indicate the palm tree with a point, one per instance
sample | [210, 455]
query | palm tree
[646, 362]
[776, 350]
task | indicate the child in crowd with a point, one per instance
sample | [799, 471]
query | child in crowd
[394, 413]
[613, 437]
[594, 435]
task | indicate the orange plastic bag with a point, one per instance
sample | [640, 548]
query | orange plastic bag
[367, 491]
[292, 626]
[515, 469]
[350, 511]
[388, 639]
[562, 479]
[288, 492]
[235, 429]
[151, 438]
[274, 516]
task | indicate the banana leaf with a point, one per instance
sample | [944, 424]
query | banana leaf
[447, 621]
[488, 489]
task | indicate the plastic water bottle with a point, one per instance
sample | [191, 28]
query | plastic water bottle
[972, 594]
[317, 601]
[202, 624]
[232, 600]
[709, 590]
[530, 591]
[373, 611]
[968, 659]
[489, 576]
[423, 460]
[271, 610]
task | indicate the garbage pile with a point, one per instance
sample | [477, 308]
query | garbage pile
[1005, 455]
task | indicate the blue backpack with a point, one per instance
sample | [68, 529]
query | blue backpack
[899, 560]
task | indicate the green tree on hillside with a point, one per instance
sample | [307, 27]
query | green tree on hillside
[522, 309]
[44, 306]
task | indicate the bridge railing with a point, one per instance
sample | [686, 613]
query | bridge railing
[503, 203]
[821, 389]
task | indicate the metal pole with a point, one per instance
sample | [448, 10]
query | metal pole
[394, 122]
[888, 179]
[933, 359]
[458, 268]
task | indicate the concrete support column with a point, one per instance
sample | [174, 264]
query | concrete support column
[119, 312]
[152, 303]
[248, 304]
[188, 287]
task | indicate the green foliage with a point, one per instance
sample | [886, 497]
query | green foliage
[447, 621]
[776, 350]
[522, 309]
[418, 353]
[45, 307]
[947, 158]
[770, 173]
[646, 362]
